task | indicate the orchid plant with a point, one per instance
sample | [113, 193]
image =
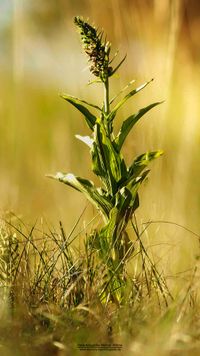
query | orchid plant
[117, 195]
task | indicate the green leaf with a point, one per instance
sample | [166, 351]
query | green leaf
[65, 96]
[117, 217]
[135, 182]
[89, 117]
[130, 122]
[141, 162]
[98, 164]
[123, 198]
[126, 200]
[122, 90]
[93, 194]
[128, 96]
[107, 162]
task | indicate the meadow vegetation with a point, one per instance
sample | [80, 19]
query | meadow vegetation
[60, 287]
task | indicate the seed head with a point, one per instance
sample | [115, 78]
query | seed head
[97, 50]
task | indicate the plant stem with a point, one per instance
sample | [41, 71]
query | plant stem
[106, 97]
[106, 105]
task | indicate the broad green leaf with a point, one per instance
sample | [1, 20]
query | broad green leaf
[99, 166]
[120, 213]
[132, 186]
[123, 199]
[141, 162]
[107, 162]
[89, 117]
[88, 189]
[128, 96]
[130, 122]
[100, 160]
[129, 196]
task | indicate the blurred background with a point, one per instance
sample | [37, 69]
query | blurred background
[41, 56]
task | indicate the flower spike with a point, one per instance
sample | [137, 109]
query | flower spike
[97, 50]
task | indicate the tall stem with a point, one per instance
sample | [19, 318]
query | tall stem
[106, 105]
[106, 97]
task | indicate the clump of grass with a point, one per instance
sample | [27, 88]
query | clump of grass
[9, 260]
[117, 196]
[57, 304]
